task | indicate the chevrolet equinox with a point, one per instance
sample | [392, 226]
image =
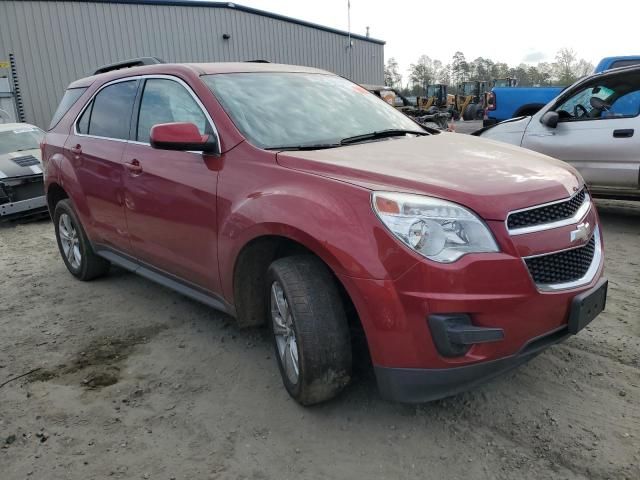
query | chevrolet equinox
[291, 196]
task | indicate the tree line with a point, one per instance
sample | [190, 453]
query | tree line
[565, 70]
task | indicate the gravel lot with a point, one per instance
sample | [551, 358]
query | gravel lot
[468, 126]
[135, 381]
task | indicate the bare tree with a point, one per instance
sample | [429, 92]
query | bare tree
[459, 68]
[423, 72]
[564, 66]
[392, 77]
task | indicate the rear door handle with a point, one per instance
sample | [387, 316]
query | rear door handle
[624, 133]
[134, 167]
[77, 150]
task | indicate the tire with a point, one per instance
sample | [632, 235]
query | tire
[306, 313]
[479, 113]
[470, 112]
[74, 246]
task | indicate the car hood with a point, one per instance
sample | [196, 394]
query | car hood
[520, 124]
[10, 164]
[492, 178]
[514, 125]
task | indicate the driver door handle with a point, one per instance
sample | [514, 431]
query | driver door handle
[624, 133]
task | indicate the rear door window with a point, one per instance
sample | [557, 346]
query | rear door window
[110, 115]
[70, 97]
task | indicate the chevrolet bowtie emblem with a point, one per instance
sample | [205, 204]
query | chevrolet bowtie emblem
[580, 233]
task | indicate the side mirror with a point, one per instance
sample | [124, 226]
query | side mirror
[182, 136]
[550, 119]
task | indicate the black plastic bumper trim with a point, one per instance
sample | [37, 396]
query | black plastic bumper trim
[453, 333]
[413, 385]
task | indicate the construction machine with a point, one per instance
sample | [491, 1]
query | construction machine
[469, 99]
[504, 82]
[431, 117]
[438, 99]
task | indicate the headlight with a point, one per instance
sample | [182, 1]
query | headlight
[439, 230]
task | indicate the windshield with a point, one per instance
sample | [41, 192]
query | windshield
[295, 109]
[433, 91]
[19, 139]
[469, 88]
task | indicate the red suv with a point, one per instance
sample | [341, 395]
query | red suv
[291, 196]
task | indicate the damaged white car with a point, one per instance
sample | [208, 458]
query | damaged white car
[21, 179]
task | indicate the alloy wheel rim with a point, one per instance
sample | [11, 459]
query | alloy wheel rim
[282, 321]
[69, 241]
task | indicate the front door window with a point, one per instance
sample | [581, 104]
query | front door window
[617, 96]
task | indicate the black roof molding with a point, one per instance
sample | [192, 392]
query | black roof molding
[241, 8]
[132, 62]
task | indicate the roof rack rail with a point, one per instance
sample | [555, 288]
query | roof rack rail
[258, 60]
[132, 62]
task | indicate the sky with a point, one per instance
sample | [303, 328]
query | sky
[512, 31]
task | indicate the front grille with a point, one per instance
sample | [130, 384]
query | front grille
[547, 214]
[562, 267]
[26, 161]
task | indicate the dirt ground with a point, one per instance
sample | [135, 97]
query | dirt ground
[135, 381]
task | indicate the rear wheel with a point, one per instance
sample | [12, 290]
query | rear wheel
[309, 328]
[74, 245]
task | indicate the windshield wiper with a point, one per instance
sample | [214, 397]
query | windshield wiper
[392, 132]
[319, 146]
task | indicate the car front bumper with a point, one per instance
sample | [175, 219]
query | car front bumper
[20, 196]
[13, 209]
[493, 293]
[414, 385]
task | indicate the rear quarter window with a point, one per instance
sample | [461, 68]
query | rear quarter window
[70, 97]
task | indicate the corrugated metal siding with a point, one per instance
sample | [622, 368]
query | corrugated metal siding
[58, 42]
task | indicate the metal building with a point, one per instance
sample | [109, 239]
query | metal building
[44, 45]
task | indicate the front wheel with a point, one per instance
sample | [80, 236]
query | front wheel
[309, 328]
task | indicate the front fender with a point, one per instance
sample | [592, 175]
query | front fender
[509, 131]
[332, 219]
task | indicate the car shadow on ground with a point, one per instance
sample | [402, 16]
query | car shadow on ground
[32, 219]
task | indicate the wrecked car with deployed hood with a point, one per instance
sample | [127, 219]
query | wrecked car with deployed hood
[21, 182]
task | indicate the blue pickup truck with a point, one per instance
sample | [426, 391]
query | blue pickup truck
[504, 103]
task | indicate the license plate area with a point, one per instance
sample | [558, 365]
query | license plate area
[587, 305]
